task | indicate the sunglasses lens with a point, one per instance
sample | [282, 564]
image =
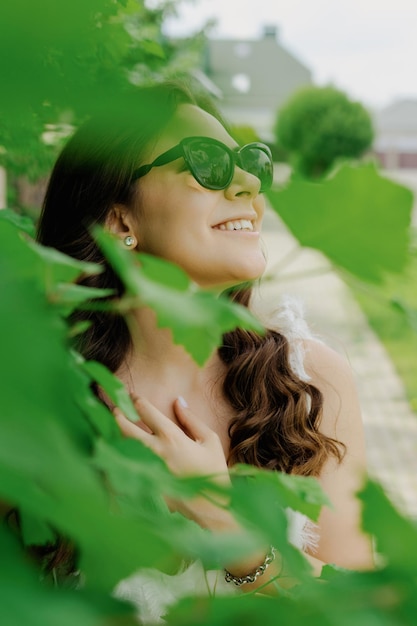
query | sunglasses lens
[258, 162]
[210, 164]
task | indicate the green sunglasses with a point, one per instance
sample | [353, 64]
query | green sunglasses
[212, 163]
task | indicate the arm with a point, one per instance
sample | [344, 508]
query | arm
[341, 541]
[192, 448]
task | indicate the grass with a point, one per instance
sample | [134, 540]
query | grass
[391, 310]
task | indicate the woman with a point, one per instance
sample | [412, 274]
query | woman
[170, 181]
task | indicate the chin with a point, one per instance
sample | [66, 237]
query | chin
[233, 274]
[253, 269]
[240, 279]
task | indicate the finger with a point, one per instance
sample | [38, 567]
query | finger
[129, 429]
[140, 423]
[149, 414]
[195, 429]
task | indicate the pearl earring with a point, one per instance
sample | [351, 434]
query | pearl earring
[129, 241]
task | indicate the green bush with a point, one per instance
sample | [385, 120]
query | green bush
[319, 125]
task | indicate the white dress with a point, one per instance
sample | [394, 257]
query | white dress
[152, 591]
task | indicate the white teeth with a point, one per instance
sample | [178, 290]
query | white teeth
[236, 225]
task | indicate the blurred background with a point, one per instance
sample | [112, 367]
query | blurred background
[259, 52]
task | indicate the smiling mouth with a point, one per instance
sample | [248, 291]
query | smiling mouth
[245, 225]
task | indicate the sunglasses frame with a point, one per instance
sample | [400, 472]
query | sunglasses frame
[184, 149]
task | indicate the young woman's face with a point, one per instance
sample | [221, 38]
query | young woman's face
[181, 221]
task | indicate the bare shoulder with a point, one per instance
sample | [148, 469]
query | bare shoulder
[333, 375]
[341, 540]
[322, 362]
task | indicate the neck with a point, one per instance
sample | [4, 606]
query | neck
[156, 358]
[161, 371]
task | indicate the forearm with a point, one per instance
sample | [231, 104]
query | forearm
[275, 575]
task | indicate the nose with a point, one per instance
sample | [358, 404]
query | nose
[242, 184]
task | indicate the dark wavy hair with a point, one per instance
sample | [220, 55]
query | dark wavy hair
[277, 415]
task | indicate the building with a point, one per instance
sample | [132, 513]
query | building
[396, 135]
[254, 77]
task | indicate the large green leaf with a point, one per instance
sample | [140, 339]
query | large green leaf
[45, 438]
[197, 318]
[357, 218]
[59, 267]
[24, 602]
[396, 536]
[301, 493]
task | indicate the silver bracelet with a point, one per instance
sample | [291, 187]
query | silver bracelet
[250, 578]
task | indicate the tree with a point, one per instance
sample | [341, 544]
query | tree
[319, 125]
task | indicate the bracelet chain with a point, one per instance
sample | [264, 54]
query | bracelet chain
[250, 578]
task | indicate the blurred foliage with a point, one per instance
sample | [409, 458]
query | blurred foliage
[391, 309]
[62, 62]
[385, 597]
[66, 468]
[318, 126]
[243, 134]
[359, 219]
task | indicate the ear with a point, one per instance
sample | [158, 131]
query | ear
[120, 222]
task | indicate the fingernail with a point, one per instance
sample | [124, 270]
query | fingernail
[183, 402]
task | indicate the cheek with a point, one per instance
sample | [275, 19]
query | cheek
[259, 205]
[150, 217]
[164, 219]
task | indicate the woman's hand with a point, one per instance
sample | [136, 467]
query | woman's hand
[190, 448]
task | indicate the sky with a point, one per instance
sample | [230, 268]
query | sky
[367, 48]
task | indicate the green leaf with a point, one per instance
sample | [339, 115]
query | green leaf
[68, 296]
[113, 387]
[300, 493]
[253, 488]
[330, 572]
[243, 610]
[60, 267]
[22, 222]
[34, 530]
[396, 536]
[25, 601]
[357, 218]
[409, 312]
[153, 48]
[164, 273]
[197, 318]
